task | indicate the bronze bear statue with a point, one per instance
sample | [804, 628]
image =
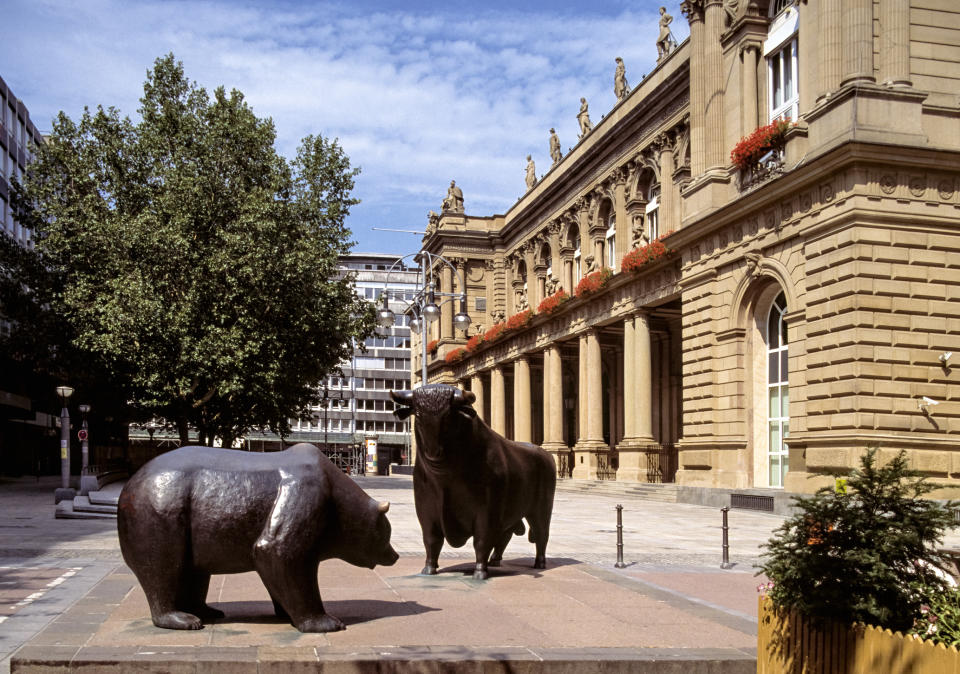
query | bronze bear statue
[198, 511]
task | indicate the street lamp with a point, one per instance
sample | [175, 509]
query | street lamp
[65, 492]
[84, 439]
[423, 308]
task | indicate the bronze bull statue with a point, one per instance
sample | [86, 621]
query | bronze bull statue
[470, 481]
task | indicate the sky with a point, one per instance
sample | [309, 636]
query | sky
[418, 93]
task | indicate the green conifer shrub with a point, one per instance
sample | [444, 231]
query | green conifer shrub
[864, 554]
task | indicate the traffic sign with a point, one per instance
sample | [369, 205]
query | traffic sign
[82, 434]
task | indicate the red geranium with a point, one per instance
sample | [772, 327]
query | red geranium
[495, 332]
[432, 345]
[638, 257]
[474, 343]
[550, 304]
[519, 320]
[748, 151]
[591, 283]
[455, 355]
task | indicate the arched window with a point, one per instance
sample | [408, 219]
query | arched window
[778, 394]
[653, 211]
[577, 267]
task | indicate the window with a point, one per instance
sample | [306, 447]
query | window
[778, 393]
[611, 242]
[653, 212]
[480, 304]
[577, 268]
[780, 50]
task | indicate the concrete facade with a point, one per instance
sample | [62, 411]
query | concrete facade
[808, 301]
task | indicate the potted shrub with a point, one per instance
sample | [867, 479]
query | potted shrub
[864, 552]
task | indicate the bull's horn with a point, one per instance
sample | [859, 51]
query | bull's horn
[464, 397]
[402, 397]
[383, 506]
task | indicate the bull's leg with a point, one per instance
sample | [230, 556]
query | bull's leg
[432, 543]
[501, 545]
[540, 531]
[483, 542]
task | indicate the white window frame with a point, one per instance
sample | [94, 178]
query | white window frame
[577, 267]
[782, 42]
[652, 215]
[778, 397]
[611, 241]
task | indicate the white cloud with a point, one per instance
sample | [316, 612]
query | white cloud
[417, 97]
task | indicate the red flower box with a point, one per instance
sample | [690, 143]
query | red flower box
[748, 151]
[592, 283]
[552, 303]
[495, 332]
[456, 355]
[637, 258]
[519, 320]
[474, 343]
[432, 345]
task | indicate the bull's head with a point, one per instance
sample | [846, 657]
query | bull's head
[441, 411]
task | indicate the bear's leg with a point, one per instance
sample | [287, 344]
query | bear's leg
[278, 609]
[154, 547]
[193, 596]
[285, 555]
[432, 542]
[294, 587]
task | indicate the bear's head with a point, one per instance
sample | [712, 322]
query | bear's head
[365, 539]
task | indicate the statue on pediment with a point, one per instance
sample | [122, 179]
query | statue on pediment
[583, 117]
[620, 86]
[454, 199]
[665, 41]
[555, 154]
[531, 177]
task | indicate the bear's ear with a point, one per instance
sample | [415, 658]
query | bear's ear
[383, 507]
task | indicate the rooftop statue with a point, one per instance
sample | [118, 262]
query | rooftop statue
[665, 41]
[470, 481]
[555, 154]
[531, 176]
[620, 86]
[583, 117]
[198, 511]
[454, 199]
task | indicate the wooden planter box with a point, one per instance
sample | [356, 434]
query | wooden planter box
[787, 642]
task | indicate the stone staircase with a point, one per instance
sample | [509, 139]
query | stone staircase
[643, 491]
[95, 504]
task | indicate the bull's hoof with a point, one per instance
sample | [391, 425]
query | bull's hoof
[480, 573]
[429, 570]
[178, 620]
[321, 623]
[540, 563]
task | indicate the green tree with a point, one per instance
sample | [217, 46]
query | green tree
[864, 554]
[191, 261]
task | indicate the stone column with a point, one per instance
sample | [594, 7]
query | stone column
[620, 217]
[568, 282]
[857, 42]
[553, 398]
[638, 398]
[895, 42]
[476, 385]
[508, 276]
[529, 265]
[750, 52]
[669, 217]
[498, 401]
[717, 156]
[541, 291]
[831, 46]
[643, 397]
[585, 458]
[522, 406]
[694, 13]
[446, 309]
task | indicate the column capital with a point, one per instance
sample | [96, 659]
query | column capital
[692, 9]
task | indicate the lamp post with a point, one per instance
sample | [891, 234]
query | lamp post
[423, 308]
[64, 492]
[84, 439]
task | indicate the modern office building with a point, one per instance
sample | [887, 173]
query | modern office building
[754, 303]
[25, 430]
[357, 407]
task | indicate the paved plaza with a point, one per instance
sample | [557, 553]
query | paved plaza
[67, 593]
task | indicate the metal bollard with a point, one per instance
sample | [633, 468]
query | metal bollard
[619, 563]
[725, 564]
